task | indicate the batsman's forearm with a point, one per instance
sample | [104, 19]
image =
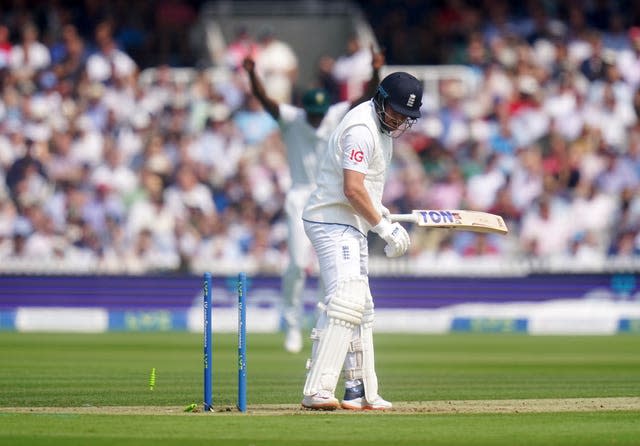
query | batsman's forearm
[358, 196]
[362, 204]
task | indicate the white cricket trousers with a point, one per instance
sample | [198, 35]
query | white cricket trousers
[328, 240]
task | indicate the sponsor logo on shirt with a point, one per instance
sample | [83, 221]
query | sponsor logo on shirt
[356, 155]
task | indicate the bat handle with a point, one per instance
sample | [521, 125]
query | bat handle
[403, 218]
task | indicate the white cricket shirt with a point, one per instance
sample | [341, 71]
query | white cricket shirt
[356, 144]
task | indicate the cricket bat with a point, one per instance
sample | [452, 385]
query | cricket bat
[460, 220]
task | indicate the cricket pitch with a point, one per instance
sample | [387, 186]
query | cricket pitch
[423, 407]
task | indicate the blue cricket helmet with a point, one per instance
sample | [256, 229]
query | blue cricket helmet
[403, 93]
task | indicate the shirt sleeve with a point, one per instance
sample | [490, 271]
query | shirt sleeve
[331, 120]
[289, 114]
[357, 149]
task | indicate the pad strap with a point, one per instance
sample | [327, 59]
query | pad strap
[354, 370]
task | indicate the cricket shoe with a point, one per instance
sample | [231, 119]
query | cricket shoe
[322, 400]
[354, 399]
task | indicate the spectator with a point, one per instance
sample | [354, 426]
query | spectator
[629, 59]
[564, 107]
[594, 66]
[69, 65]
[104, 202]
[151, 211]
[147, 253]
[5, 47]
[626, 244]
[87, 146]
[527, 177]
[43, 243]
[277, 65]
[113, 173]
[592, 211]
[7, 220]
[617, 175]
[612, 116]
[504, 206]
[501, 139]
[241, 46]
[30, 55]
[352, 70]
[481, 245]
[62, 165]
[254, 123]
[109, 62]
[188, 192]
[15, 249]
[448, 192]
[217, 246]
[220, 140]
[546, 230]
[482, 188]
[557, 166]
[527, 119]
[26, 178]
[155, 157]
[586, 250]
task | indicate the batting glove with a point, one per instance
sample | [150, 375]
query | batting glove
[395, 235]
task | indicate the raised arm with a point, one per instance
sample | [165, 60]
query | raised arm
[377, 61]
[257, 89]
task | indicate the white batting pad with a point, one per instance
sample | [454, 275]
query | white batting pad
[347, 304]
[329, 357]
[344, 311]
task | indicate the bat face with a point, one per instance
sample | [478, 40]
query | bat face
[459, 219]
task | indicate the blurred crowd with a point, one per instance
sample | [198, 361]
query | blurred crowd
[547, 136]
[107, 170]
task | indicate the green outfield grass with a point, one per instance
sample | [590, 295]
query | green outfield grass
[88, 371]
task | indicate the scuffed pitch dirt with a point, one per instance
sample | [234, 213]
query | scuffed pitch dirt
[426, 407]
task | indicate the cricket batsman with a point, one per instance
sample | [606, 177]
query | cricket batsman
[305, 132]
[344, 207]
